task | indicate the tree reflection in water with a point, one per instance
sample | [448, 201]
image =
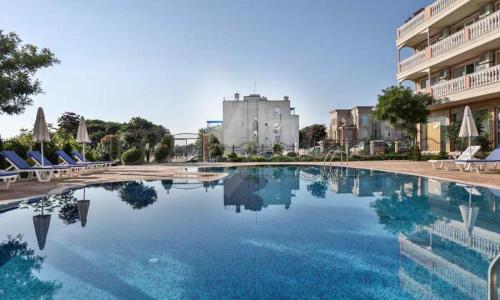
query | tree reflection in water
[401, 214]
[17, 266]
[68, 211]
[318, 188]
[137, 194]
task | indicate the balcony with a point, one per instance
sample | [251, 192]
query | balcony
[428, 16]
[478, 85]
[476, 35]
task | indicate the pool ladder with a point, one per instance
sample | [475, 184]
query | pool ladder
[332, 154]
[492, 278]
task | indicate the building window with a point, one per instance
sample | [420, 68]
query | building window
[482, 121]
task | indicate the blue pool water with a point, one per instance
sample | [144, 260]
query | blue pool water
[267, 232]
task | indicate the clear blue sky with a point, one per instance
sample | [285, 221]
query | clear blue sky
[173, 61]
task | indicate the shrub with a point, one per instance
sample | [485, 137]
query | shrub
[133, 156]
[291, 154]
[258, 158]
[161, 152]
[233, 157]
[277, 149]
[280, 158]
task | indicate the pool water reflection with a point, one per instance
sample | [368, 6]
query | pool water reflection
[262, 232]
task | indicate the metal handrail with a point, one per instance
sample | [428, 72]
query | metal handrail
[492, 278]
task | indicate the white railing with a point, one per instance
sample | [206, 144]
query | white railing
[411, 24]
[412, 61]
[482, 244]
[484, 26]
[448, 87]
[485, 77]
[440, 5]
[448, 43]
[435, 8]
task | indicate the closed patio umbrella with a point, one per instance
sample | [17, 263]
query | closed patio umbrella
[83, 209]
[469, 213]
[468, 128]
[42, 223]
[40, 131]
[82, 135]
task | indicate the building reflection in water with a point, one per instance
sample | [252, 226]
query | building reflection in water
[257, 188]
[447, 230]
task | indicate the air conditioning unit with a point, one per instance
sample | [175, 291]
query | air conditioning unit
[486, 58]
[486, 10]
[444, 74]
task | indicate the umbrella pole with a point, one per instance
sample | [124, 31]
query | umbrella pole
[43, 163]
[470, 150]
[84, 152]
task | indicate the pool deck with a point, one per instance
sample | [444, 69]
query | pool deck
[30, 189]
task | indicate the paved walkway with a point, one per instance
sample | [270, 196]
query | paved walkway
[154, 172]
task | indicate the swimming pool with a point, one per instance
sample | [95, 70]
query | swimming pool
[262, 232]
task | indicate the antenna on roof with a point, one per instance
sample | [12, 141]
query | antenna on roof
[254, 87]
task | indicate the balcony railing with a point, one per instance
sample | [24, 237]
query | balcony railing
[448, 87]
[429, 12]
[484, 26]
[474, 31]
[485, 77]
[481, 78]
[448, 43]
[412, 61]
[440, 5]
[412, 24]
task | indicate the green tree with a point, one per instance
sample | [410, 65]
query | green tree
[69, 122]
[18, 65]
[278, 149]
[404, 109]
[310, 135]
[215, 149]
[139, 131]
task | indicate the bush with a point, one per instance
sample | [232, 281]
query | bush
[277, 149]
[133, 156]
[161, 152]
[291, 154]
[258, 158]
[280, 158]
[233, 157]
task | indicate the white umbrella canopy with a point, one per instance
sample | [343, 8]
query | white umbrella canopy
[82, 135]
[40, 131]
[468, 128]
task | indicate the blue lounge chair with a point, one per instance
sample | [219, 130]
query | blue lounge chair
[79, 157]
[69, 161]
[481, 164]
[60, 170]
[7, 178]
[43, 174]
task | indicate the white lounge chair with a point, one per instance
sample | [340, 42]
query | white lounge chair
[492, 160]
[7, 178]
[461, 163]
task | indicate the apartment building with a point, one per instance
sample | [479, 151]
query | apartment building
[455, 56]
[358, 124]
[257, 120]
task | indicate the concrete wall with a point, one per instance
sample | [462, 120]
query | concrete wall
[258, 120]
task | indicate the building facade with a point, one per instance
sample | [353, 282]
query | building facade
[358, 124]
[455, 56]
[257, 120]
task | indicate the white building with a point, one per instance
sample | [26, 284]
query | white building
[257, 120]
